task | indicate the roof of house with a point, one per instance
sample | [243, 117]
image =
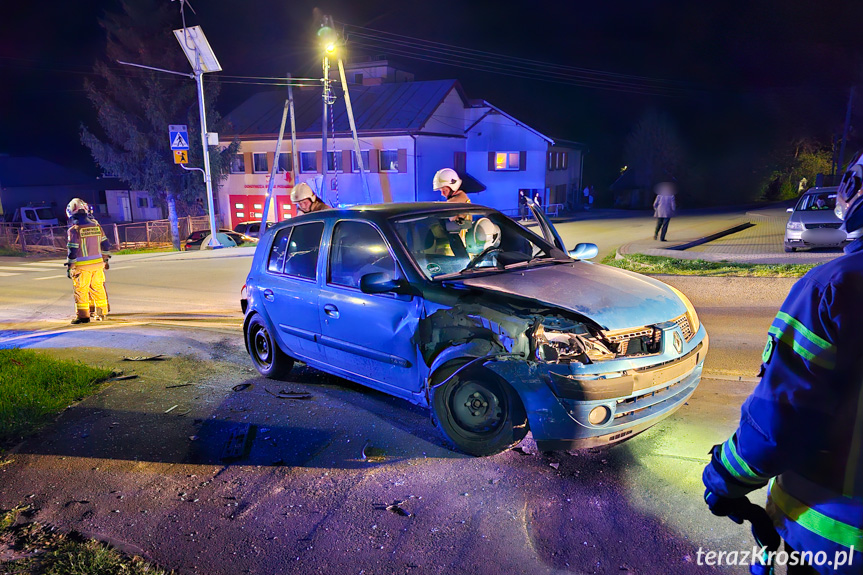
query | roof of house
[389, 107]
[21, 172]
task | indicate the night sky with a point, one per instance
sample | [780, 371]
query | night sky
[737, 78]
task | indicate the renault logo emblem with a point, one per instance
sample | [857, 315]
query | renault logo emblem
[678, 343]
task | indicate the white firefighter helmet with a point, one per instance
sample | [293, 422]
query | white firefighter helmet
[849, 197]
[446, 177]
[302, 191]
[75, 206]
[486, 234]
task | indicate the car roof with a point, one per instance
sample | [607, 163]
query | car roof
[385, 211]
[829, 189]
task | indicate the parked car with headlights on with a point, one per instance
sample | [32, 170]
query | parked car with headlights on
[813, 223]
[458, 308]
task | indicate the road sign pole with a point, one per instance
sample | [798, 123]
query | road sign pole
[214, 241]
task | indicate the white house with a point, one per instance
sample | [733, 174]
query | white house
[407, 131]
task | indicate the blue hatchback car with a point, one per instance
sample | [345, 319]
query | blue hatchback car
[496, 329]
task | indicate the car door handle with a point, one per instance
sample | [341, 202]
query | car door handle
[331, 311]
[269, 295]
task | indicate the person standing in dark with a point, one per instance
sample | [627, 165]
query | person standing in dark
[664, 207]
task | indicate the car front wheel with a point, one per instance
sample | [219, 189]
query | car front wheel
[790, 249]
[269, 360]
[479, 413]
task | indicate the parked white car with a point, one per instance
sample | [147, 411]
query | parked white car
[813, 223]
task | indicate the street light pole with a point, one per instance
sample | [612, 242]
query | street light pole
[208, 179]
[326, 98]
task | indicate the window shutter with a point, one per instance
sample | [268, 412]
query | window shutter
[319, 161]
[403, 160]
[491, 161]
[248, 160]
[522, 161]
[459, 162]
[374, 161]
[347, 156]
[271, 161]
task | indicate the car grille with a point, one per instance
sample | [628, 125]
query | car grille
[647, 337]
[683, 323]
[822, 226]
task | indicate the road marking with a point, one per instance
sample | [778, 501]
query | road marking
[5, 274]
[17, 268]
[119, 268]
[48, 278]
[49, 263]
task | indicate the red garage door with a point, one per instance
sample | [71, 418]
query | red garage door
[251, 207]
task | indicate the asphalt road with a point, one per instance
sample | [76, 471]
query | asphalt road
[129, 467]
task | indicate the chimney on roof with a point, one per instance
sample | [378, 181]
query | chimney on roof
[373, 72]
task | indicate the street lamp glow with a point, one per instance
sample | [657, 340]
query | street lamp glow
[330, 48]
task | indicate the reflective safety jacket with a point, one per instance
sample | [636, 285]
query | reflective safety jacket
[801, 430]
[86, 241]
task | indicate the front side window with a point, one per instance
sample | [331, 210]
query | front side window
[450, 243]
[308, 163]
[358, 249]
[238, 164]
[506, 161]
[389, 160]
[301, 257]
[259, 161]
[816, 202]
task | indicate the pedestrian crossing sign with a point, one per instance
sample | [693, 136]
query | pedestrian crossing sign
[181, 156]
[179, 137]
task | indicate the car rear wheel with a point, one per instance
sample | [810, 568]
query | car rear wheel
[269, 360]
[479, 413]
[789, 249]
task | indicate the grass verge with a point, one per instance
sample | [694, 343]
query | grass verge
[37, 549]
[645, 264]
[34, 387]
[11, 252]
[142, 251]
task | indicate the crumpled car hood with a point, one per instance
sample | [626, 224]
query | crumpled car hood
[613, 298]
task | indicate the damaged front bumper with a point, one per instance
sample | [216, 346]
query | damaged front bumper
[569, 406]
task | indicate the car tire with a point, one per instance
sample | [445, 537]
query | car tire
[269, 359]
[478, 413]
[788, 250]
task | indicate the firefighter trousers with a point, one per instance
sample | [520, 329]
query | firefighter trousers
[89, 283]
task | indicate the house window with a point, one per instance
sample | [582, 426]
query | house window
[390, 160]
[506, 161]
[142, 202]
[259, 162]
[284, 162]
[365, 157]
[308, 163]
[334, 161]
[564, 160]
[358, 78]
[238, 164]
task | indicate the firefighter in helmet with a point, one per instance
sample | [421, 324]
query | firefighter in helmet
[303, 196]
[801, 429]
[85, 261]
[449, 184]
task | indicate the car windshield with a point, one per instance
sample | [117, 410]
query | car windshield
[817, 202]
[448, 244]
[45, 214]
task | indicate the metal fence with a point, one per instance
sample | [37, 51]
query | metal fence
[49, 240]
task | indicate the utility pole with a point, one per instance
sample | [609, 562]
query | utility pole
[357, 150]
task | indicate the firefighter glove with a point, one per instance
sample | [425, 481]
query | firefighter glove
[735, 508]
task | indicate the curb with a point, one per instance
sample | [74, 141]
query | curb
[625, 249]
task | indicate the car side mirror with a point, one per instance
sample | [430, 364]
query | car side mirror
[790, 210]
[382, 282]
[584, 251]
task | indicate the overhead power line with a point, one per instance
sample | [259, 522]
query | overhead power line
[495, 63]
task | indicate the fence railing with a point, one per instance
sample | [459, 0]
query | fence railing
[552, 210]
[153, 233]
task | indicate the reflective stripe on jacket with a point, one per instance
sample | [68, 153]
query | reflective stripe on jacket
[803, 423]
[86, 241]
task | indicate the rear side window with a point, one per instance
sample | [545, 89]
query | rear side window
[301, 258]
[358, 249]
[277, 253]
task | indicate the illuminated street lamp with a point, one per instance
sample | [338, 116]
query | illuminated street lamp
[328, 38]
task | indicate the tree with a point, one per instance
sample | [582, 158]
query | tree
[134, 108]
[803, 160]
[654, 150]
